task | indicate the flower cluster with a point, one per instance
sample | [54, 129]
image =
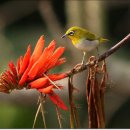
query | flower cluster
[32, 71]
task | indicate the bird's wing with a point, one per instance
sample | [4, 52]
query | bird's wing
[90, 36]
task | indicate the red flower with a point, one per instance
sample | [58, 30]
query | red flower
[32, 71]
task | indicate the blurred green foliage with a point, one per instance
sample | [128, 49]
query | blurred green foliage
[16, 116]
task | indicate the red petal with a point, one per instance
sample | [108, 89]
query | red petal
[35, 56]
[38, 49]
[39, 65]
[35, 68]
[57, 100]
[4, 89]
[58, 52]
[41, 82]
[10, 77]
[19, 63]
[44, 66]
[52, 60]
[52, 45]
[55, 77]
[25, 61]
[46, 90]
[13, 68]
[24, 78]
[60, 61]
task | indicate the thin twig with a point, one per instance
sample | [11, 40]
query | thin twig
[71, 102]
[58, 116]
[38, 101]
[76, 116]
[51, 81]
[42, 110]
[113, 49]
[35, 119]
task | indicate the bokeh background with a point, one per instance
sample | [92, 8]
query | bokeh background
[24, 21]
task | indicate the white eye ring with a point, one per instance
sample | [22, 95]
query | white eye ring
[71, 33]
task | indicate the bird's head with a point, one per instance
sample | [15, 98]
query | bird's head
[75, 34]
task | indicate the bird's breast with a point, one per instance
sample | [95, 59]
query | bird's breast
[86, 45]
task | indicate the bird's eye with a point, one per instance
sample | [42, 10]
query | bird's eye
[71, 33]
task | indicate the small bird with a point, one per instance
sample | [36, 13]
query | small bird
[83, 39]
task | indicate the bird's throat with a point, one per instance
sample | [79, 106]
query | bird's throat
[76, 41]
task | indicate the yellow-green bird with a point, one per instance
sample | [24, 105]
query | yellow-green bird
[83, 39]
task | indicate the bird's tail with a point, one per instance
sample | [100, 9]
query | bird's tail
[103, 40]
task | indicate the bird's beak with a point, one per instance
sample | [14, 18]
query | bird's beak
[63, 36]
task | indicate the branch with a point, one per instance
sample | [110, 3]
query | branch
[42, 109]
[102, 57]
[114, 48]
